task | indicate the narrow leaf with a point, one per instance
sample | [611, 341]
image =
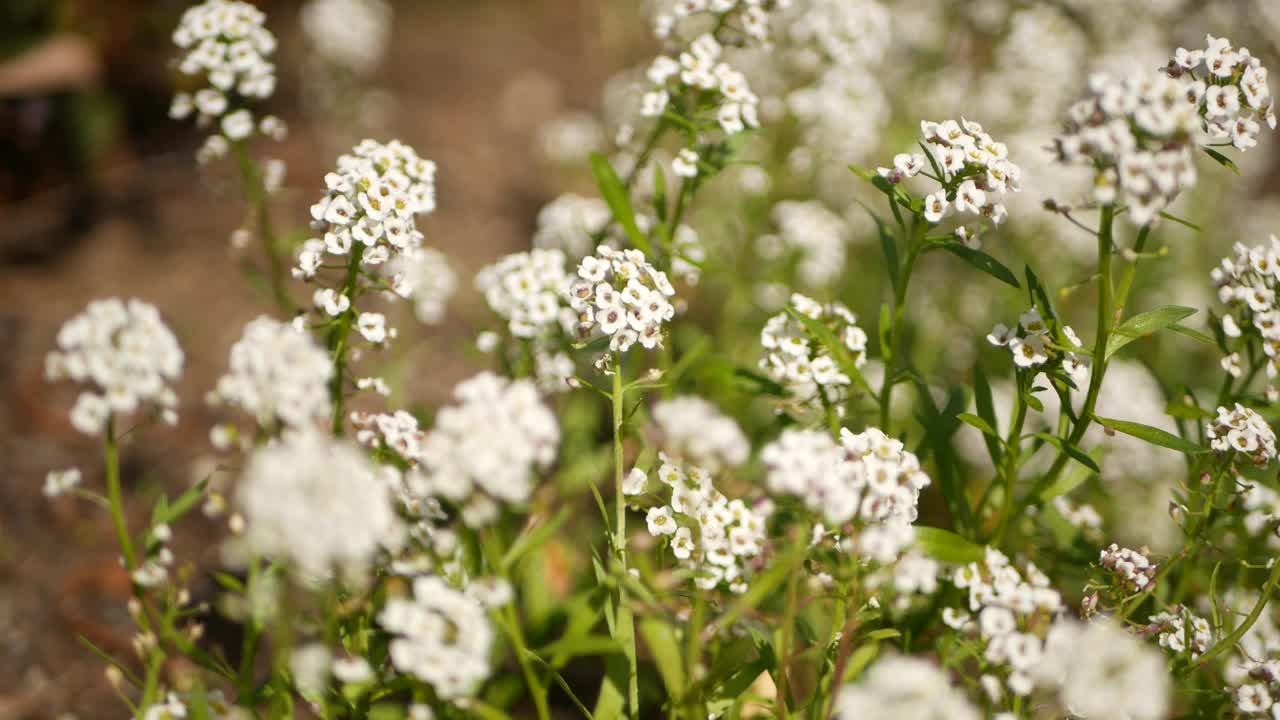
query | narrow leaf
[661, 641]
[1222, 160]
[980, 261]
[979, 423]
[1144, 324]
[619, 201]
[1155, 436]
[1072, 451]
[947, 546]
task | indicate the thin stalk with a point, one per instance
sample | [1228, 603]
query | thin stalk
[338, 336]
[510, 621]
[891, 361]
[625, 626]
[256, 193]
[1230, 640]
[790, 611]
[1013, 446]
[693, 652]
[114, 496]
[1106, 321]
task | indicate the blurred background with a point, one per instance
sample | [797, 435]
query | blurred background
[100, 195]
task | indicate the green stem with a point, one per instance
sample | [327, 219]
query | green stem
[693, 653]
[1230, 640]
[788, 629]
[115, 498]
[256, 192]
[1013, 447]
[510, 621]
[338, 336]
[625, 627]
[1106, 321]
[892, 360]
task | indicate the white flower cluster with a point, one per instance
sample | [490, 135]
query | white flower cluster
[751, 17]
[1029, 343]
[317, 503]
[1137, 132]
[1134, 570]
[351, 34]
[1243, 430]
[461, 459]
[226, 43]
[443, 637]
[1103, 672]
[868, 479]
[695, 430]
[127, 352]
[904, 688]
[1083, 516]
[1179, 630]
[620, 295]
[569, 224]
[1229, 88]
[797, 360]
[715, 538]
[1013, 609]
[1247, 284]
[524, 289]
[973, 168]
[1253, 674]
[370, 206]
[699, 70]
[60, 482]
[847, 32]
[817, 235]
[423, 275]
[277, 372]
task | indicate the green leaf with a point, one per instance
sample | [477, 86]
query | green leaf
[1193, 334]
[883, 634]
[980, 261]
[859, 660]
[763, 585]
[619, 201]
[661, 641]
[1222, 160]
[565, 649]
[1072, 451]
[980, 424]
[987, 411]
[889, 247]
[883, 330]
[1039, 297]
[947, 546]
[1155, 436]
[1185, 223]
[1144, 324]
[533, 538]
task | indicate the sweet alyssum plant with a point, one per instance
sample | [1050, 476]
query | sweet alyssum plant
[628, 515]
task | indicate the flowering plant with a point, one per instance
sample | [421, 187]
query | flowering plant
[686, 482]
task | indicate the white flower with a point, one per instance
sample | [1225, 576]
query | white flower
[635, 482]
[621, 296]
[1001, 335]
[660, 521]
[459, 456]
[238, 125]
[373, 326]
[126, 352]
[60, 482]
[685, 163]
[694, 429]
[316, 503]
[524, 289]
[936, 206]
[279, 373]
[442, 637]
[349, 34]
[903, 688]
[1028, 351]
[1104, 672]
